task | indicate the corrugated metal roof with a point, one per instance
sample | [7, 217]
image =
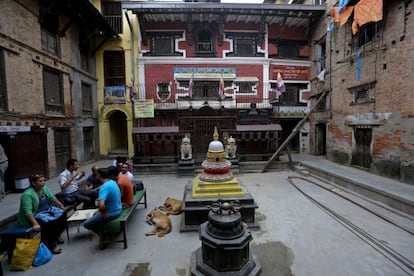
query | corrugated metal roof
[283, 14]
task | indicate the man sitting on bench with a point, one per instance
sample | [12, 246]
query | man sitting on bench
[124, 184]
[68, 181]
[109, 202]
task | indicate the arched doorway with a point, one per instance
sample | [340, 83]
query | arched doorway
[118, 133]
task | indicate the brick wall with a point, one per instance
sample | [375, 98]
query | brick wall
[388, 65]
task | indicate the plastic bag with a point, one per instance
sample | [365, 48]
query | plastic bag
[43, 255]
[23, 254]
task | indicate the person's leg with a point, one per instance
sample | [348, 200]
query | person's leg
[92, 195]
[3, 168]
[93, 223]
[47, 235]
[83, 199]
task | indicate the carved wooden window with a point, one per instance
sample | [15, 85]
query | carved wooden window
[244, 44]
[49, 23]
[204, 44]
[112, 12]
[114, 68]
[246, 87]
[163, 44]
[86, 99]
[53, 91]
[288, 49]
[3, 87]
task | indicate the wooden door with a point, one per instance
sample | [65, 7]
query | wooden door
[62, 148]
[362, 155]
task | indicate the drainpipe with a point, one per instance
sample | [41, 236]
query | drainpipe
[330, 75]
[131, 30]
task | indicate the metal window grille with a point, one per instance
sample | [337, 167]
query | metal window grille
[290, 96]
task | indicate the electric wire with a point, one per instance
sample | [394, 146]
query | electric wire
[393, 256]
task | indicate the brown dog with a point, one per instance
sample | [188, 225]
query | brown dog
[162, 223]
[171, 206]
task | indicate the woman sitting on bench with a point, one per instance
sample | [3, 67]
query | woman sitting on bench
[37, 210]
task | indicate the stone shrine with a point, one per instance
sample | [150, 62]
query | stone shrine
[215, 182]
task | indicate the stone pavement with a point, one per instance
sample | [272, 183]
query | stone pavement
[296, 236]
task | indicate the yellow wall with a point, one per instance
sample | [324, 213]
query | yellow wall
[105, 111]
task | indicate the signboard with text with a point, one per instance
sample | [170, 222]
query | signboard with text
[292, 72]
[144, 108]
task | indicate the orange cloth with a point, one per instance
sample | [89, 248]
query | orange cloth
[365, 11]
[127, 190]
[368, 11]
[343, 16]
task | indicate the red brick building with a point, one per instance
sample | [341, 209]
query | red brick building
[203, 65]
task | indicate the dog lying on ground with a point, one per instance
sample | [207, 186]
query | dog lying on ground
[161, 222]
[171, 206]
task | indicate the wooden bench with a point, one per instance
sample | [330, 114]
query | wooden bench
[8, 236]
[118, 225]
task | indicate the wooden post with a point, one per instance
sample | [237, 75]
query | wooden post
[293, 133]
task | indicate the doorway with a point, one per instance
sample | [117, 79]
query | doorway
[320, 139]
[62, 148]
[118, 132]
[362, 155]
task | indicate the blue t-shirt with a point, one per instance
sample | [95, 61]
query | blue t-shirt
[93, 180]
[110, 193]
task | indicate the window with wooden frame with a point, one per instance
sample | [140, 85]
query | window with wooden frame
[363, 94]
[3, 86]
[204, 43]
[320, 56]
[246, 87]
[112, 12]
[53, 91]
[49, 23]
[163, 44]
[114, 68]
[86, 99]
[321, 107]
[244, 44]
[368, 34]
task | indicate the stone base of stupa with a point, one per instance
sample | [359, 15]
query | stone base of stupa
[195, 210]
[186, 167]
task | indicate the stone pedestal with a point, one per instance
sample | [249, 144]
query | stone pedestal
[234, 165]
[225, 246]
[186, 167]
[195, 210]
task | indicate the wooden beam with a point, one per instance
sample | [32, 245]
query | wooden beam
[293, 133]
